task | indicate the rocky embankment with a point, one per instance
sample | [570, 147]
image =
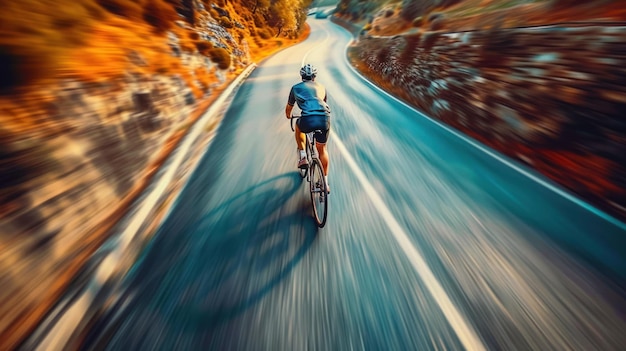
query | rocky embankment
[94, 96]
[66, 182]
[70, 176]
[551, 97]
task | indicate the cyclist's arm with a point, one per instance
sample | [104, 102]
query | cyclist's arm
[290, 102]
[288, 109]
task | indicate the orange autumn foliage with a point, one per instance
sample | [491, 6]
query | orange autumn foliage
[159, 14]
[42, 41]
[204, 78]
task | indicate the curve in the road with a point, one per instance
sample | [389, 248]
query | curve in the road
[431, 243]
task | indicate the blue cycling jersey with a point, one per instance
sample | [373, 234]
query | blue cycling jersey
[311, 98]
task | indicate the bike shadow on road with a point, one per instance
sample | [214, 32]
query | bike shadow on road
[197, 275]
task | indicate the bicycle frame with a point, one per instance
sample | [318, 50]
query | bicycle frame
[312, 150]
[318, 188]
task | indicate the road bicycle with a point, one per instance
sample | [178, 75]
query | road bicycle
[314, 174]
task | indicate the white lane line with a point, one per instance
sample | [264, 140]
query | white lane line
[491, 153]
[315, 47]
[465, 333]
[463, 330]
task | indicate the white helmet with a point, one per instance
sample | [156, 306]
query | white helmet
[308, 72]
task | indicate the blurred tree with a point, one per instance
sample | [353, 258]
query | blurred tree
[257, 4]
[187, 9]
[221, 57]
[160, 15]
[287, 14]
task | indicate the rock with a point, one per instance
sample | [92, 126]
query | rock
[136, 59]
[220, 10]
[617, 96]
[547, 57]
[437, 21]
[143, 102]
[439, 107]
[189, 98]
[554, 87]
[176, 51]
[436, 86]
[571, 95]
[172, 37]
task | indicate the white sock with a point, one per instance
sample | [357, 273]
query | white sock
[326, 179]
[302, 154]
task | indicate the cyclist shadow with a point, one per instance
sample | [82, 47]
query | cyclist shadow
[232, 257]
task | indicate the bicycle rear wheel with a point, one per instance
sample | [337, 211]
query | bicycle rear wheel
[319, 196]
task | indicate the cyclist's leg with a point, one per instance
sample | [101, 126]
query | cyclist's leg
[320, 144]
[299, 137]
[299, 140]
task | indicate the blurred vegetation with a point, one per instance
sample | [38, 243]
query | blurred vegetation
[42, 39]
[159, 15]
[221, 57]
[93, 95]
[204, 47]
[357, 10]
[551, 96]
[34, 34]
[477, 14]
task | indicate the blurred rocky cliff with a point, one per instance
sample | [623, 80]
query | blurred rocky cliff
[94, 95]
[545, 90]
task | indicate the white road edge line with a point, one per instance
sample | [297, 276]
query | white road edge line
[464, 331]
[506, 162]
[73, 316]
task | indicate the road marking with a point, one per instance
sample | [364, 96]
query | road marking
[59, 333]
[464, 331]
[314, 47]
[491, 153]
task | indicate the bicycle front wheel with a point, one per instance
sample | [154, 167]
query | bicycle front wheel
[319, 195]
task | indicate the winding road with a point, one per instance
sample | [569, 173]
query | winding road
[433, 241]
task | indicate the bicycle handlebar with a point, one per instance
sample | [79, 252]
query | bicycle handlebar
[292, 118]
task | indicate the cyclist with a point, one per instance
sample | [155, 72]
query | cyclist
[311, 98]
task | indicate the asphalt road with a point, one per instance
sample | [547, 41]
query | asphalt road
[432, 242]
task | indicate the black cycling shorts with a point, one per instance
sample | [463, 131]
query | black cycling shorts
[311, 123]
